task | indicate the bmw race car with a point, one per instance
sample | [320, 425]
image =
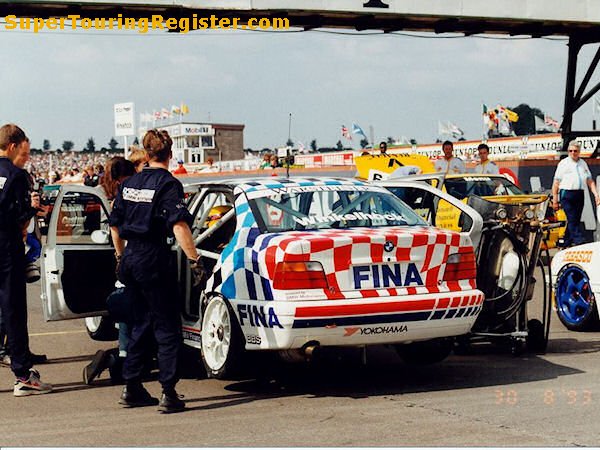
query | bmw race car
[294, 263]
[576, 286]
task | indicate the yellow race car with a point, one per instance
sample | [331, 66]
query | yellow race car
[495, 188]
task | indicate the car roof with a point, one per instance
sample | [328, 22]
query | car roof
[477, 175]
[255, 184]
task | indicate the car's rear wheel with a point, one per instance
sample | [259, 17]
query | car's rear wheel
[425, 352]
[222, 339]
[101, 328]
[575, 301]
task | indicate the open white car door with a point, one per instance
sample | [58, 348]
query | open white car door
[78, 261]
[425, 199]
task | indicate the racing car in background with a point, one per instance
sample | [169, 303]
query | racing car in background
[294, 264]
[494, 188]
[509, 250]
[576, 284]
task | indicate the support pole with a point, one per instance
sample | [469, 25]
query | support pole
[125, 148]
[567, 124]
[288, 150]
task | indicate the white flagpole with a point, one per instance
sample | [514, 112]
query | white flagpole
[595, 106]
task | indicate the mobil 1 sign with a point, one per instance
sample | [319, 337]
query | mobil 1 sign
[124, 125]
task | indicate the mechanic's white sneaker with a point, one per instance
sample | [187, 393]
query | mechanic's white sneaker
[31, 386]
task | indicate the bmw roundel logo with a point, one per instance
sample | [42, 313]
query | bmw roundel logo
[388, 246]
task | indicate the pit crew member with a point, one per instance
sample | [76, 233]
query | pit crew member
[149, 208]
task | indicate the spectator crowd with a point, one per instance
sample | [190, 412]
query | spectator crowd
[73, 167]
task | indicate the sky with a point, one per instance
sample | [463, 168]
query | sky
[61, 85]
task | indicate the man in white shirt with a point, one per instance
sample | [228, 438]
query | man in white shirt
[449, 163]
[485, 166]
[571, 176]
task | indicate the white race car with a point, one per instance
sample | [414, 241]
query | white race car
[295, 263]
[576, 284]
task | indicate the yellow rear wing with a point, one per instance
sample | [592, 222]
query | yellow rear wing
[381, 167]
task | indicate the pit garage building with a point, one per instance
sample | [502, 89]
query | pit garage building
[197, 142]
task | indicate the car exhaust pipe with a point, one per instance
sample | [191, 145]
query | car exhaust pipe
[309, 349]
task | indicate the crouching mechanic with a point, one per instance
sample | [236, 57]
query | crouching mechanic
[149, 209]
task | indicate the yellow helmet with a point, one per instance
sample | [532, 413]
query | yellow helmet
[217, 213]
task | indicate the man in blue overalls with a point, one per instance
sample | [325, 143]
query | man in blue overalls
[15, 212]
[149, 209]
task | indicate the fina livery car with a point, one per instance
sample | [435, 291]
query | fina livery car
[294, 263]
[576, 284]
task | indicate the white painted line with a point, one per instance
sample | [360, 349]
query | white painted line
[51, 333]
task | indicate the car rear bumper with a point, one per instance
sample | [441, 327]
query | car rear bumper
[281, 325]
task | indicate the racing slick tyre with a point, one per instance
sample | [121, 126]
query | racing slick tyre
[222, 339]
[536, 340]
[425, 352]
[101, 328]
[575, 302]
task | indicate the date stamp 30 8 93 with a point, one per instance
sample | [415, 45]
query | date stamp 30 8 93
[549, 397]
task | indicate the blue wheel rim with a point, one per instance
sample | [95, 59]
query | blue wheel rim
[574, 297]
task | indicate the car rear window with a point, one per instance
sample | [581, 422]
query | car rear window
[330, 207]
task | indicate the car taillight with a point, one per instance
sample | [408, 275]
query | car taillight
[299, 275]
[460, 266]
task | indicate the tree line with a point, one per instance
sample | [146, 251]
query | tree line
[90, 147]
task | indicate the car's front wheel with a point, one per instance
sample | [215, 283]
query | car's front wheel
[101, 328]
[222, 339]
[575, 301]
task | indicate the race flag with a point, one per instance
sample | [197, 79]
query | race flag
[175, 109]
[165, 113]
[184, 109]
[345, 133]
[449, 129]
[507, 114]
[443, 129]
[358, 130]
[511, 115]
[551, 122]
[455, 131]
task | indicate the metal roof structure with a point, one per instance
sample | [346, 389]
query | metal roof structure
[512, 17]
